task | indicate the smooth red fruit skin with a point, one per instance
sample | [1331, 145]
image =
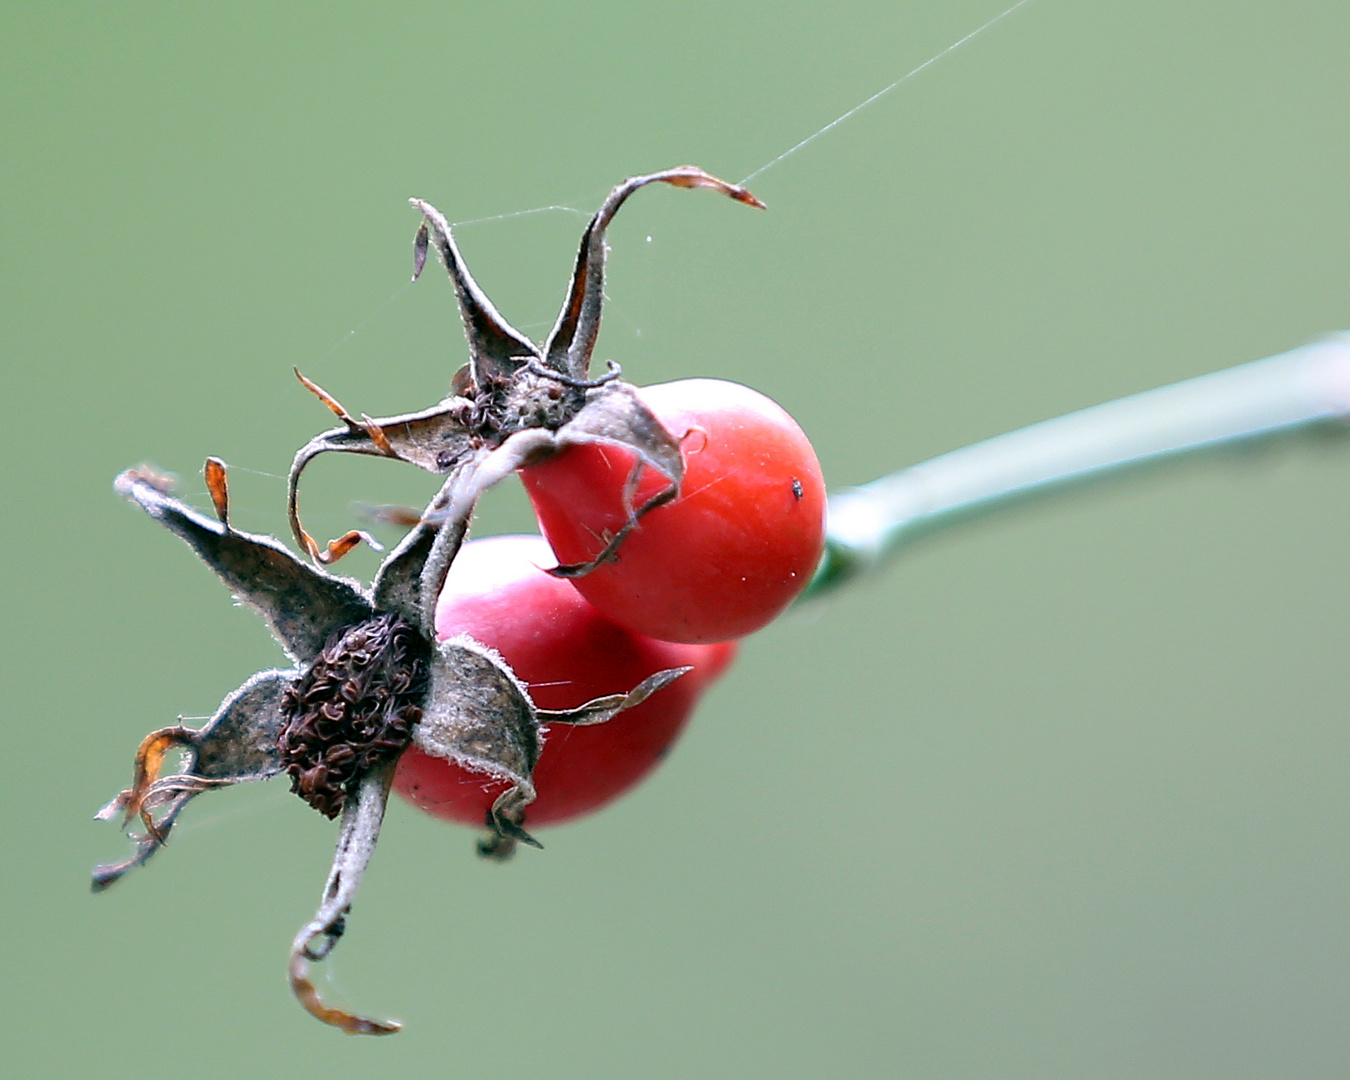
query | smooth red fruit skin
[724, 559]
[567, 653]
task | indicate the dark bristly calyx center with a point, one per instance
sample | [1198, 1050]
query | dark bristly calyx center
[353, 709]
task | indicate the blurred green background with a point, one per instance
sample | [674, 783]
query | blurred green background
[1061, 795]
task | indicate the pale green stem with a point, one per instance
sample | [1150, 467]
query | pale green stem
[1306, 386]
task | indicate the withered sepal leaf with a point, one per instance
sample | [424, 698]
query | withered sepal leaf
[237, 745]
[490, 725]
[301, 605]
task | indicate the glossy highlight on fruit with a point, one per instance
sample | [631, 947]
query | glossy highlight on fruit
[566, 653]
[726, 557]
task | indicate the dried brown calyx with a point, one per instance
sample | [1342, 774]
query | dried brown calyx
[368, 677]
[353, 709]
[515, 402]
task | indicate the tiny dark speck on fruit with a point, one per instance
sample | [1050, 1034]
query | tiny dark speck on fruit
[797, 490]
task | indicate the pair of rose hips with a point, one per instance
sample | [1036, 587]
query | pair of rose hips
[717, 563]
[464, 676]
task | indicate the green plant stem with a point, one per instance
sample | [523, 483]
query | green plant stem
[1299, 388]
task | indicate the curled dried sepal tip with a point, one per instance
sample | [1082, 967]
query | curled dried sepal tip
[365, 426]
[308, 995]
[572, 339]
[361, 819]
[218, 487]
[148, 761]
[691, 176]
[148, 476]
[404, 517]
[336, 549]
[610, 552]
[420, 243]
[237, 745]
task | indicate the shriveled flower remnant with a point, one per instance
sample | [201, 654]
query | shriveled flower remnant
[353, 709]
[368, 677]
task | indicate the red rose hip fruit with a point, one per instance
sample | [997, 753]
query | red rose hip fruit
[726, 557]
[566, 653]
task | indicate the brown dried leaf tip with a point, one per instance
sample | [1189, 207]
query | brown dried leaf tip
[368, 679]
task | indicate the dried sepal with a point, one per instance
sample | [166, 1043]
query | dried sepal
[336, 549]
[507, 812]
[237, 745]
[496, 348]
[612, 371]
[435, 439]
[334, 406]
[365, 426]
[453, 506]
[617, 414]
[613, 413]
[398, 582]
[148, 761]
[572, 340]
[480, 716]
[106, 874]
[360, 829]
[599, 710]
[610, 551]
[621, 418]
[218, 488]
[300, 604]
[410, 578]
